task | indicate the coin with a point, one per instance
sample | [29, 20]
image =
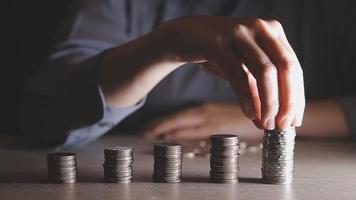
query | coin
[118, 164]
[62, 167]
[278, 156]
[224, 155]
[167, 162]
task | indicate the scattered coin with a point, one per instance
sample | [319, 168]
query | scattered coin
[189, 155]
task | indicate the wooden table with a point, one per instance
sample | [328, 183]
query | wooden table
[323, 170]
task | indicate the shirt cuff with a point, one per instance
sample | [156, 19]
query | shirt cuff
[110, 118]
[348, 105]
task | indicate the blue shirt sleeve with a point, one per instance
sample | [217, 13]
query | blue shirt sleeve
[63, 104]
[111, 117]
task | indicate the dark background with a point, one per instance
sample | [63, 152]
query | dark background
[28, 33]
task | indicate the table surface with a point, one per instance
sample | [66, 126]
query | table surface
[323, 170]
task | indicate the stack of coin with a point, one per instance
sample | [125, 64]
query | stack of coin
[118, 165]
[62, 167]
[224, 158]
[277, 156]
[167, 163]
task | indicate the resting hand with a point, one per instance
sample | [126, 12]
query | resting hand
[204, 120]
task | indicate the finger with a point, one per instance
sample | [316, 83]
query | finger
[254, 93]
[300, 107]
[264, 70]
[239, 81]
[289, 73]
[189, 117]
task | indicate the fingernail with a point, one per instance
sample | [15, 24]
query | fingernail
[270, 124]
[285, 123]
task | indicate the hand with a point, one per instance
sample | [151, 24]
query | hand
[253, 55]
[204, 120]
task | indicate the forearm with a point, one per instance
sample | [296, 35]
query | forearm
[324, 119]
[131, 70]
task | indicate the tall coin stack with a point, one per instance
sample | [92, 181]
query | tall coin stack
[277, 156]
[118, 165]
[167, 163]
[62, 167]
[224, 158]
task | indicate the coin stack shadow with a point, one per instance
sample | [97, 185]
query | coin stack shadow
[62, 167]
[224, 158]
[118, 165]
[277, 156]
[167, 162]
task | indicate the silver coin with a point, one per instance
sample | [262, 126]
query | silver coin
[278, 156]
[118, 164]
[167, 166]
[62, 167]
[224, 156]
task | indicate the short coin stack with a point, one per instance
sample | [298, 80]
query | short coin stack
[277, 156]
[118, 165]
[224, 158]
[62, 167]
[167, 162]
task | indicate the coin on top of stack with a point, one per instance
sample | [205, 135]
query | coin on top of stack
[118, 164]
[62, 167]
[224, 158]
[278, 156]
[167, 162]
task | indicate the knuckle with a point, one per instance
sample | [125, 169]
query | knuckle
[276, 24]
[259, 23]
[287, 63]
[241, 31]
[238, 28]
[268, 69]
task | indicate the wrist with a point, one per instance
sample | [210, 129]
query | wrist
[164, 42]
[140, 63]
